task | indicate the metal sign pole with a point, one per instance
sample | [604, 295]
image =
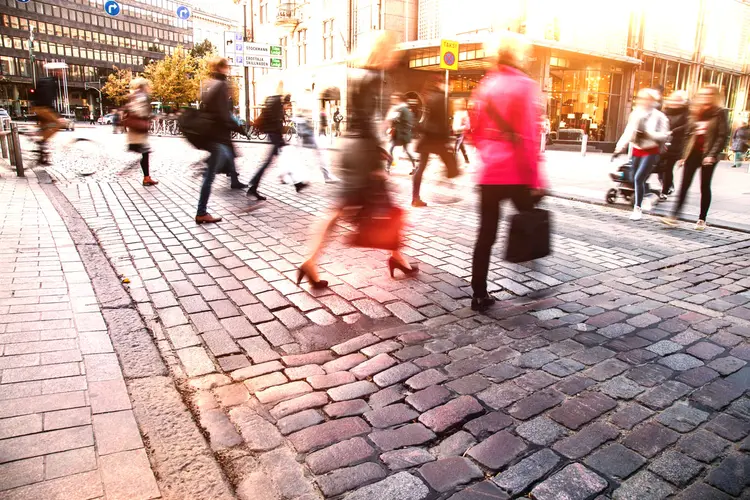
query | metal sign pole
[447, 83]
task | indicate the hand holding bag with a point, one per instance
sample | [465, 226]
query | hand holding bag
[379, 222]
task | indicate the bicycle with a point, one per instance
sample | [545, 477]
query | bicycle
[745, 156]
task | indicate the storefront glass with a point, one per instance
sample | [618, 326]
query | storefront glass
[584, 100]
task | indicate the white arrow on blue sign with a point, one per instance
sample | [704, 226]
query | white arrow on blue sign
[183, 12]
[22, 1]
[111, 7]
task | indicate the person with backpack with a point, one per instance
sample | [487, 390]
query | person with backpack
[217, 111]
[647, 132]
[401, 120]
[137, 118]
[507, 134]
[707, 136]
[337, 119]
[44, 108]
[435, 134]
[272, 123]
[677, 112]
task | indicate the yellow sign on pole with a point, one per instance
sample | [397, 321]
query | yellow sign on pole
[449, 55]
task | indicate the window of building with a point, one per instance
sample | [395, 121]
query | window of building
[328, 39]
[283, 42]
[302, 47]
[264, 11]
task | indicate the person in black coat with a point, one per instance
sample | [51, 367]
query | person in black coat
[677, 110]
[272, 123]
[435, 134]
[217, 106]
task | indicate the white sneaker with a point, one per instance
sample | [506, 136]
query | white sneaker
[700, 225]
[646, 204]
[637, 214]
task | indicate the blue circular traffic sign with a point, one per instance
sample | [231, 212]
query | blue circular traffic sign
[449, 58]
[22, 1]
[183, 12]
[111, 7]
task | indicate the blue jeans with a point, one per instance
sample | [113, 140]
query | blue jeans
[643, 166]
[220, 155]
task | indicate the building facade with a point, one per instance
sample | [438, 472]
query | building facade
[91, 43]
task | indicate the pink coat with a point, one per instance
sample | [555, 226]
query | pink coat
[515, 97]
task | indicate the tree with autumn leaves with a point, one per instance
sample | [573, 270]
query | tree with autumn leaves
[117, 86]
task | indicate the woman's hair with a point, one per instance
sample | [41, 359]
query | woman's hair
[678, 96]
[139, 83]
[715, 92]
[217, 63]
[508, 49]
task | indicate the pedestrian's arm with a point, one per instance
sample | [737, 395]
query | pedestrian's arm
[660, 133]
[627, 135]
[722, 135]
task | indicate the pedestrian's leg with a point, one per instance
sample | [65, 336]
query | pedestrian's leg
[707, 173]
[689, 170]
[317, 243]
[212, 165]
[738, 159]
[424, 156]
[449, 160]
[640, 166]
[255, 181]
[408, 155]
[489, 216]
[668, 175]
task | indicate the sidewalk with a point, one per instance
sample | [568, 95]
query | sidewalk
[67, 429]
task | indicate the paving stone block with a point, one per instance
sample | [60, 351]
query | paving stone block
[681, 362]
[429, 398]
[391, 415]
[726, 364]
[582, 409]
[664, 395]
[256, 384]
[314, 400]
[342, 480]
[490, 423]
[649, 375]
[702, 491]
[586, 440]
[116, 432]
[615, 461]
[470, 384]
[541, 431]
[444, 475]
[650, 438]
[732, 475]
[454, 445]
[682, 417]
[676, 468]
[336, 456]
[328, 381]
[729, 427]
[325, 434]
[344, 363]
[719, 393]
[486, 490]
[643, 485]
[401, 486]
[501, 395]
[574, 482]
[258, 433]
[68, 463]
[406, 458]
[258, 349]
[303, 372]
[354, 390]
[444, 417]
[621, 388]
[279, 393]
[221, 432]
[347, 408]
[705, 350]
[387, 396]
[299, 421]
[574, 385]
[519, 477]
[535, 404]
[128, 474]
[425, 379]
[408, 435]
[396, 374]
[256, 370]
[498, 450]
[373, 366]
[563, 367]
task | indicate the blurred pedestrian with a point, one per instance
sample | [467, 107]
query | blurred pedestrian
[363, 175]
[272, 123]
[137, 119]
[337, 119]
[678, 114]
[43, 107]
[740, 143]
[218, 109]
[647, 132]
[401, 123]
[303, 120]
[461, 128]
[506, 133]
[435, 134]
[707, 137]
[323, 122]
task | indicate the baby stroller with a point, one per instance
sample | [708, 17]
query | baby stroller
[623, 179]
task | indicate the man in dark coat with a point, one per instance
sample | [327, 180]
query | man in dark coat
[678, 113]
[272, 123]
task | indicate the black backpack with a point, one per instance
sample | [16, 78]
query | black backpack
[196, 126]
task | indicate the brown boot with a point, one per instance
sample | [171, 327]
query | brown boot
[206, 219]
[148, 181]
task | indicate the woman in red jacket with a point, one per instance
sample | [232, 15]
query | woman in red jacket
[506, 124]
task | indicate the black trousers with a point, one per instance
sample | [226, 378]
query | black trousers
[425, 148]
[145, 152]
[692, 165]
[490, 197]
[277, 142]
[666, 172]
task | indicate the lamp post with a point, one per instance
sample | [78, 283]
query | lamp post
[31, 54]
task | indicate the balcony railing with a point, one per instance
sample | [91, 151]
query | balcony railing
[287, 14]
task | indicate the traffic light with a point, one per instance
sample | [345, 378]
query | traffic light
[31, 91]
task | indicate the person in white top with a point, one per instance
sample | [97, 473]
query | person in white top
[647, 132]
[460, 128]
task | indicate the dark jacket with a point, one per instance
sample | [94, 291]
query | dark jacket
[717, 135]
[273, 115]
[402, 125]
[437, 125]
[741, 139]
[364, 99]
[679, 121]
[45, 92]
[216, 104]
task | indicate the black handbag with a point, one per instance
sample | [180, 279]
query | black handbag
[528, 236]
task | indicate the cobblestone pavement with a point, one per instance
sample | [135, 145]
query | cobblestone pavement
[625, 378]
[67, 428]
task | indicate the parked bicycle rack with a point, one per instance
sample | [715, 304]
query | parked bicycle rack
[11, 148]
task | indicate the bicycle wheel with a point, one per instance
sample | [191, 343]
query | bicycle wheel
[260, 135]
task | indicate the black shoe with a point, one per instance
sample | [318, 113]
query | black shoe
[253, 191]
[299, 186]
[302, 274]
[393, 265]
[481, 304]
[238, 185]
